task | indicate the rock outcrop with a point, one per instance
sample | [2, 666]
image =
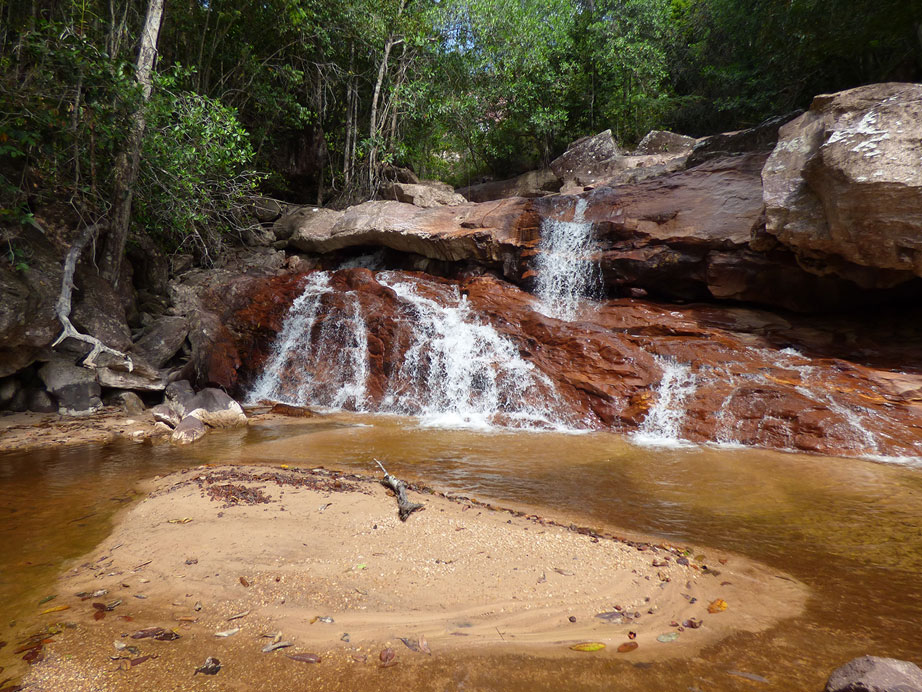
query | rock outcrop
[530, 184]
[663, 142]
[426, 194]
[876, 674]
[491, 234]
[844, 183]
[762, 137]
[74, 388]
[588, 160]
[608, 371]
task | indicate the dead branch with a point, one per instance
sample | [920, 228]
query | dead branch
[63, 306]
[404, 506]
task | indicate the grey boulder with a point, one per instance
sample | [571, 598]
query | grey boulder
[75, 389]
[875, 674]
[216, 409]
[188, 431]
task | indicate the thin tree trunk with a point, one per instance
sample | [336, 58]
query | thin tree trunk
[373, 118]
[129, 160]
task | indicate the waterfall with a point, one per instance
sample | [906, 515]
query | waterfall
[338, 348]
[445, 365]
[566, 272]
[663, 425]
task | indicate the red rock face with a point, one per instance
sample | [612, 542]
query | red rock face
[607, 368]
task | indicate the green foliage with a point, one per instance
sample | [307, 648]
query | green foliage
[63, 108]
[195, 180]
[469, 88]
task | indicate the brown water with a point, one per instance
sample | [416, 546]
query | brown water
[852, 530]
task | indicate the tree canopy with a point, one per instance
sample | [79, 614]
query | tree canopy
[308, 99]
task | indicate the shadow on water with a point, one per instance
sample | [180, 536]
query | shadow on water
[849, 529]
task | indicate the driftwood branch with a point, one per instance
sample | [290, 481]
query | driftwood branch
[63, 306]
[404, 506]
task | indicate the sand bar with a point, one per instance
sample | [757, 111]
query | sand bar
[320, 559]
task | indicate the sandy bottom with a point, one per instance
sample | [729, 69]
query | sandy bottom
[320, 560]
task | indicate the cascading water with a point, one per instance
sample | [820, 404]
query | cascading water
[566, 272]
[662, 426]
[338, 348]
[449, 368]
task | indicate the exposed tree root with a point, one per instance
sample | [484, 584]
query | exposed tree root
[63, 306]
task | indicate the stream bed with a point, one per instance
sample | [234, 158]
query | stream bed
[850, 529]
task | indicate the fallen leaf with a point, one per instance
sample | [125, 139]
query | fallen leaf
[243, 580]
[275, 646]
[410, 643]
[717, 606]
[99, 614]
[47, 598]
[747, 676]
[387, 657]
[238, 615]
[184, 520]
[424, 645]
[588, 646]
[668, 637]
[141, 659]
[612, 616]
[305, 658]
[627, 646]
[227, 633]
[55, 609]
[166, 636]
[692, 623]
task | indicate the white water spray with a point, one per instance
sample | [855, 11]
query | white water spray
[451, 368]
[663, 425]
[566, 271]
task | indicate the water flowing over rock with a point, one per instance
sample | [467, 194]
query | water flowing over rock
[699, 374]
[566, 267]
[844, 183]
[410, 346]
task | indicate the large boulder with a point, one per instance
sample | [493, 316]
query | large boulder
[588, 160]
[162, 339]
[216, 409]
[188, 431]
[304, 222]
[29, 287]
[875, 674]
[531, 184]
[425, 195]
[490, 234]
[762, 137]
[663, 142]
[99, 310]
[73, 387]
[845, 181]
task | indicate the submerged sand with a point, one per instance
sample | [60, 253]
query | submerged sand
[320, 560]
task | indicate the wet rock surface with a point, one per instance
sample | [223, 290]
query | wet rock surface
[751, 377]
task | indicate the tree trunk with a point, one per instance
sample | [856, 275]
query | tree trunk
[373, 119]
[128, 161]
